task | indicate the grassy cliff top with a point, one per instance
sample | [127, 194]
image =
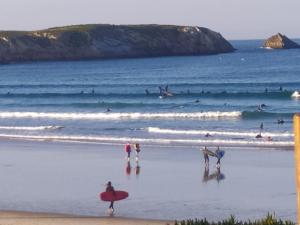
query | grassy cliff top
[82, 28]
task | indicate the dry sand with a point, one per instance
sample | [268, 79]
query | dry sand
[26, 218]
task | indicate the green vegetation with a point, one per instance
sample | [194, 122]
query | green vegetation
[85, 28]
[269, 220]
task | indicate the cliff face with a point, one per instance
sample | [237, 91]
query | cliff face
[280, 41]
[109, 41]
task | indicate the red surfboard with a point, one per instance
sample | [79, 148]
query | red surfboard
[113, 196]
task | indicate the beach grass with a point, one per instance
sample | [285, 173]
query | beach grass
[270, 219]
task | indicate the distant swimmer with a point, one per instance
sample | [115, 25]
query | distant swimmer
[166, 88]
[164, 92]
[269, 138]
[147, 92]
[197, 101]
[208, 135]
[93, 92]
[266, 90]
[258, 136]
[160, 90]
[280, 121]
[261, 126]
[280, 88]
[108, 110]
[260, 108]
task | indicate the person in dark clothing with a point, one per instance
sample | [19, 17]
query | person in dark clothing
[110, 188]
[206, 157]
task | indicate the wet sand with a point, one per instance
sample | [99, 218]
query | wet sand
[171, 182]
[25, 218]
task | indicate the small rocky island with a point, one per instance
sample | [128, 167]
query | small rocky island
[280, 41]
[81, 42]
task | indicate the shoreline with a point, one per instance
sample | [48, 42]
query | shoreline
[167, 144]
[29, 218]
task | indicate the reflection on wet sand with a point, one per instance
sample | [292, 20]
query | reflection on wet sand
[128, 168]
[217, 175]
[137, 169]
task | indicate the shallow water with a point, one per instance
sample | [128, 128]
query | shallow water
[171, 183]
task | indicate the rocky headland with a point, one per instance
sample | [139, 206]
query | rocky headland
[280, 41]
[81, 42]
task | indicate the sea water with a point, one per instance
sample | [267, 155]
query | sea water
[106, 101]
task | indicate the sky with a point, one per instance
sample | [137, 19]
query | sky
[234, 19]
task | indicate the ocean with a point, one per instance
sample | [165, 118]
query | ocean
[106, 101]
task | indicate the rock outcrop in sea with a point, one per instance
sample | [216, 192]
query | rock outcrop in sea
[81, 42]
[280, 41]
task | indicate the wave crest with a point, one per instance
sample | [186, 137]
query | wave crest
[119, 116]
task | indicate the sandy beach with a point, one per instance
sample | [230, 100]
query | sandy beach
[170, 182]
[25, 218]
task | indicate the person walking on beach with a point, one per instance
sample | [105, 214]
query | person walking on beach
[206, 157]
[218, 155]
[128, 151]
[137, 151]
[110, 188]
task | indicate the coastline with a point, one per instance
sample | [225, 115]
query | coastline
[29, 218]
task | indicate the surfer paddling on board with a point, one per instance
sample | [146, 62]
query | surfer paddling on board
[110, 188]
[128, 151]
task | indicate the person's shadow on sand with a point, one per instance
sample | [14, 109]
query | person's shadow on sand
[217, 175]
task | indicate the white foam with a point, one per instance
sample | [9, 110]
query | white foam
[103, 139]
[31, 128]
[119, 116]
[295, 94]
[220, 133]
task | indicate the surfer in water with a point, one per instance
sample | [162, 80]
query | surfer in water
[280, 121]
[110, 188]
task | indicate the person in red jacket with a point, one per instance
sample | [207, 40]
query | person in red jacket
[128, 151]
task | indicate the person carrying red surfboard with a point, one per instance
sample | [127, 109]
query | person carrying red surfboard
[110, 188]
[128, 150]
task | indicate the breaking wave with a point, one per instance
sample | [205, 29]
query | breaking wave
[36, 128]
[119, 116]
